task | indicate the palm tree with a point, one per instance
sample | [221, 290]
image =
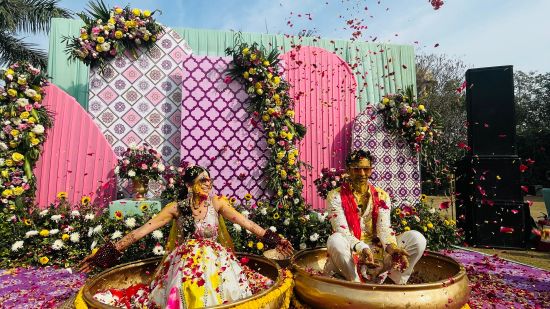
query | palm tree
[26, 16]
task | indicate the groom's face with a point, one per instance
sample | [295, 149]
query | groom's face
[361, 170]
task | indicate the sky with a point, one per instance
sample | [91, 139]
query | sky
[479, 32]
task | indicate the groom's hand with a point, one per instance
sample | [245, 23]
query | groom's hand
[368, 258]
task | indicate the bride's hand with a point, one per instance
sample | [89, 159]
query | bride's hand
[285, 248]
[86, 264]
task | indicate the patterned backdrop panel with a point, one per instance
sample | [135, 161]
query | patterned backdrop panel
[138, 100]
[216, 130]
[396, 167]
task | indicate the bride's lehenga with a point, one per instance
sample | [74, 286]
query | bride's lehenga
[200, 272]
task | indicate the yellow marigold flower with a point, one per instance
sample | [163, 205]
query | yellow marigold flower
[31, 120]
[250, 244]
[269, 76]
[7, 192]
[5, 173]
[14, 132]
[271, 141]
[421, 107]
[9, 72]
[283, 174]
[24, 115]
[265, 117]
[146, 13]
[84, 36]
[258, 85]
[290, 136]
[266, 63]
[27, 221]
[100, 39]
[146, 38]
[291, 192]
[290, 113]
[144, 207]
[248, 196]
[9, 162]
[430, 225]
[260, 245]
[283, 134]
[407, 228]
[98, 48]
[276, 80]
[276, 216]
[65, 237]
[12, 92]
[398, 210]
[35, 141]
[85, 200]
[17, 157]
[276, 97]
[253, 57]
[385, 101]
[245, 51]
[44, 233]
[259, 91]
[13, 144]
[118, 34]
[153, 38]
[44, 260]
[252, 71]
[18, 191]
[118, 215]
[271, 134]
[446, 222]
[425, 229]
[291, 162]
[136, 11]
[246, 75]
[404, 222]
[62, 195]
[280, 193]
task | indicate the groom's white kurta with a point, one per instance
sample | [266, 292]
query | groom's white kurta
[343, 243]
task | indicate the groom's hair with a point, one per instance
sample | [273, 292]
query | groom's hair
[356, 155]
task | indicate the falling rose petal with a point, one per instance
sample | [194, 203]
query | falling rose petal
[514, 211]
[523, 168]
[444, 205]
[536, 232]
[506, 230]
[524, 189]
[530, 203]
[530, 161]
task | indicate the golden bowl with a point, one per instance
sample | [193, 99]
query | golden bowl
[125, 275]
[446, 285]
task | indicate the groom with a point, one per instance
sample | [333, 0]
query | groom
[363, 246]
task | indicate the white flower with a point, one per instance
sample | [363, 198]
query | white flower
[245, 213]
[417, 218]
[157, 234]
[94, 243]
[30, 92]
[75, 237]
[296, 201]
[43, 213]
[263, 211]
[237, 227]
[431, 210]
[75, 213]
[116, 234]
[38, 129]
[131, 173]
[90, 231]
[273, 229]
[117, 170]
[106, 46]
[17, 245]
[161, 167]
[97, 229]
[287, 221]
[58, 244]
[3, 146]
[314, 237]
[158, 250]
[56, 218]
[31, 233]
[322, 217]
[381, 106]
[22, 102]
[89, 216]
[130, 222]
[132, 146]
[68, 229]
[302, 246]
[306, 217]
[54, 231]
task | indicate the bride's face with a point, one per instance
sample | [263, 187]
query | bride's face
[202, 185]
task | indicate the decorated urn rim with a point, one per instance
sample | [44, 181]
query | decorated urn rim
[91, 301]
[299, 270]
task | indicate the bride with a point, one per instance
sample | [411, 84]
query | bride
[198, 272]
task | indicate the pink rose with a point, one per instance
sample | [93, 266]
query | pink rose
[154, 165]
[126, 162]
[143, 166]
[28, 107]
[37, 105]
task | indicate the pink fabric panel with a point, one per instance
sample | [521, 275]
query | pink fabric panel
[76, 157]
[324, 89]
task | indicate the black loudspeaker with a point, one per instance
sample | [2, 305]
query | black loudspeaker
[491, 111]
[499, 224]
[489, 178]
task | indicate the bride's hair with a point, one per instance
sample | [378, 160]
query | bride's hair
[191, 173]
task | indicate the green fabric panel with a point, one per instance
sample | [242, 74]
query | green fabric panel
[376, 75]
[71, 76]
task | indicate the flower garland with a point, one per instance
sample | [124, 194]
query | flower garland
[406, 118]
[24, 125]
[270, 101]
[110, 32]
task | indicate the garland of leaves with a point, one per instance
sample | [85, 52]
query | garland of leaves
[110, 32]
[404, 117]
[24, 124]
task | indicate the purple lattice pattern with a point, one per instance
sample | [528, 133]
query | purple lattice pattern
[216, 130]
[396, 168]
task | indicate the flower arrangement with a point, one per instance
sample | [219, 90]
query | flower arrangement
[329, 180]
[173, 182]
[270, 101]
[140, 162]
[306, 230]
[109, 32]
[404, 117]
[24, 124]
[440, 232]
[63, 237]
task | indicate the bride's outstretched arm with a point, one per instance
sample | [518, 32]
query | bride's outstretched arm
[113, 250]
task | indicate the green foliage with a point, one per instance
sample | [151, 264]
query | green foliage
[440, 233]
